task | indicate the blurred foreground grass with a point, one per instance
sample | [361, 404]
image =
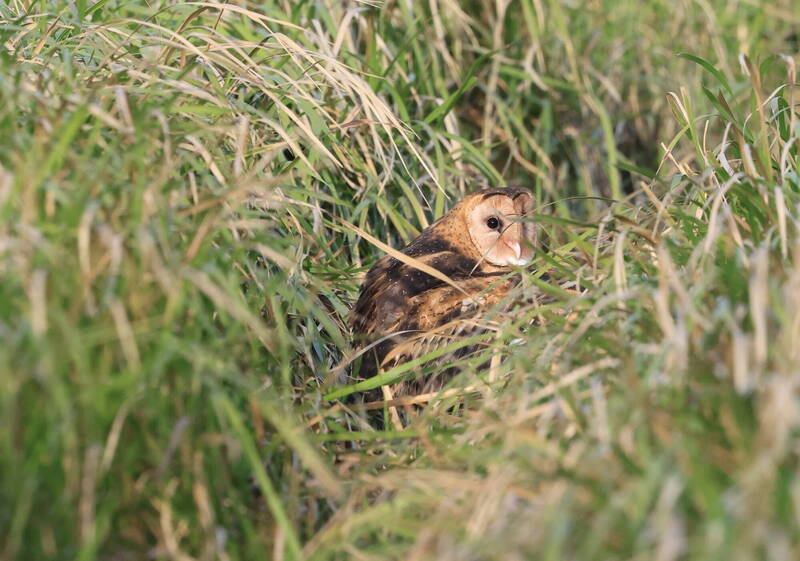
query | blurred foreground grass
[179, 186]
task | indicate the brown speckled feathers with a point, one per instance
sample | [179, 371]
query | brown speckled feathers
[397, 298]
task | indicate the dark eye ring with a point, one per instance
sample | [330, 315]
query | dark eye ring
[493, 223]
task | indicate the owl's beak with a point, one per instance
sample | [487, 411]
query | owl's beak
[515, 247]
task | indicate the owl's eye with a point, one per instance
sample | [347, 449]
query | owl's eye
[493, 223]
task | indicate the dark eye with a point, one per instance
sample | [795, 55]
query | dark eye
[493, 223]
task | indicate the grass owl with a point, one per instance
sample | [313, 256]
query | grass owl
[403, 312]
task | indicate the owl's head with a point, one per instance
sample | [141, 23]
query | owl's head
[497, 225]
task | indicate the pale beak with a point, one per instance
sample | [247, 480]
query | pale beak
[514, 246]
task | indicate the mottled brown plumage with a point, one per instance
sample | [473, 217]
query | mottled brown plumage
[475, 245]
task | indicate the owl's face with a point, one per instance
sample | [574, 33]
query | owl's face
[497, 226]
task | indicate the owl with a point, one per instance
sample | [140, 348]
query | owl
[403, 312]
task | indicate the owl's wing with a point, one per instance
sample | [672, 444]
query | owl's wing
[381, 303]
[396, 296]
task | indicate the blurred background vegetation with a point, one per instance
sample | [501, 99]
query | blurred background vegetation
[183, 188]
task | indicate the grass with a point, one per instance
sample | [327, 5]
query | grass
[184, 193]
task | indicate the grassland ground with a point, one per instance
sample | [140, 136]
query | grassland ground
[191, 192]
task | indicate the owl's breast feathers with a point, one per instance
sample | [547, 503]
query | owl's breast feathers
[399, 298]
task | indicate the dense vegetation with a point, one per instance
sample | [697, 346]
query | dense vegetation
[190, 193]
